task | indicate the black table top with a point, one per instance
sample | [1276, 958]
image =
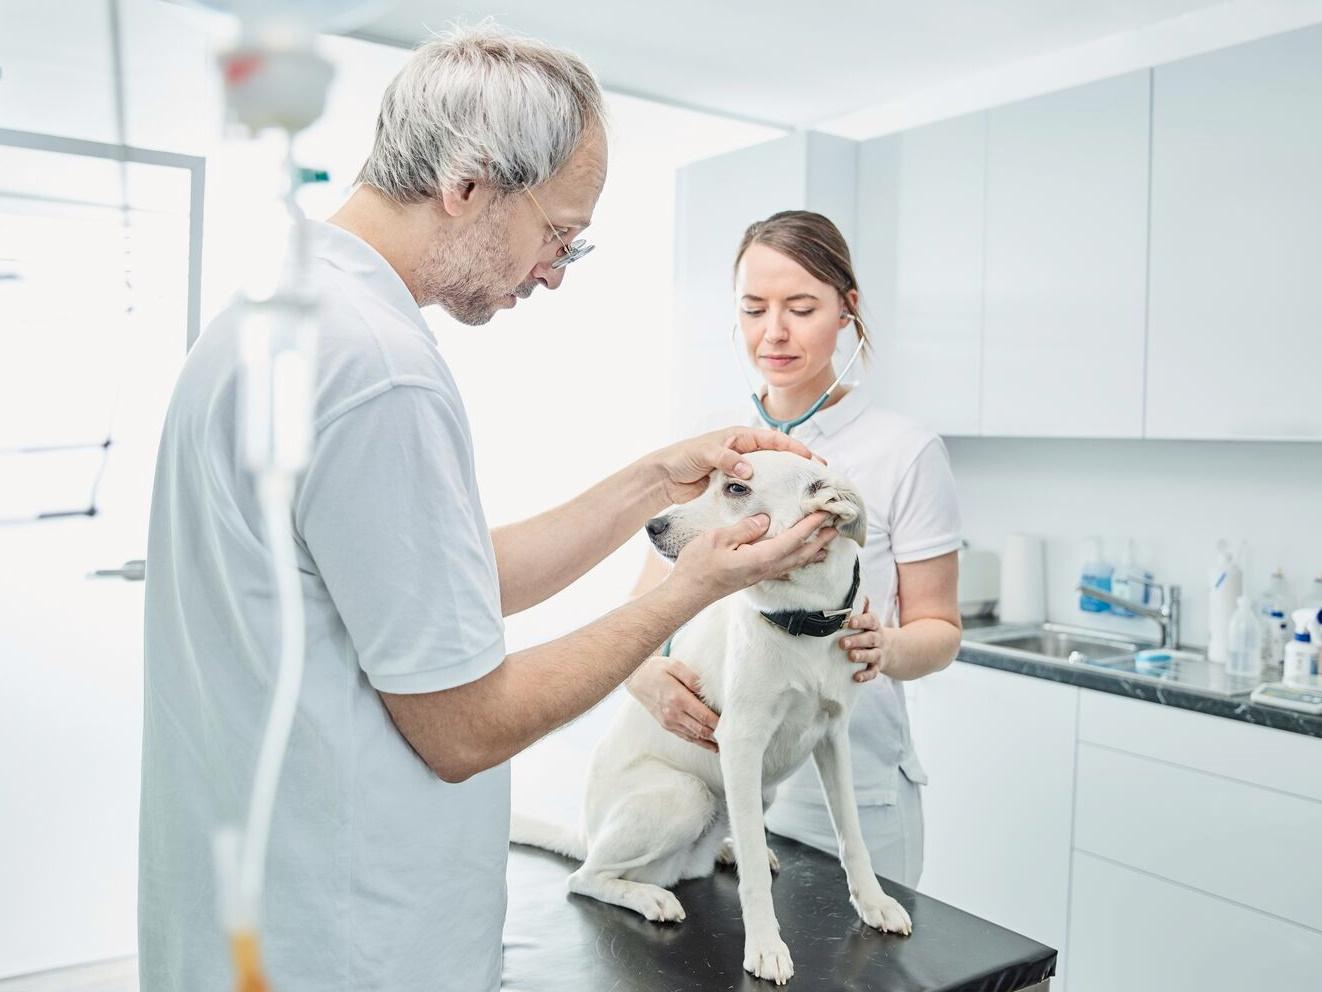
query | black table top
[556, 942]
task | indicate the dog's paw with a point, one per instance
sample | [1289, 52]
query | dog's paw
[660, 905]
[770, 959]
[725, 856]
[883, 913]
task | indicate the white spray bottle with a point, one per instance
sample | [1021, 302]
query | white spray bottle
[1301, 653]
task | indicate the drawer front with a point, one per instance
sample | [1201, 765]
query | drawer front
[1276, 759]
[1132, 932]
[1247, 844]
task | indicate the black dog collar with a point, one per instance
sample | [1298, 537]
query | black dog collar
[815, 623]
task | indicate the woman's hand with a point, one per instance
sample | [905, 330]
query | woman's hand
[868, 647]
[682, 469]
[668, 689]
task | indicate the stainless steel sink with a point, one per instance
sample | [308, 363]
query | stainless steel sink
[1056, 641]
[1100, 651]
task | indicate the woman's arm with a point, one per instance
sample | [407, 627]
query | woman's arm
[927, 639]
[654, 572]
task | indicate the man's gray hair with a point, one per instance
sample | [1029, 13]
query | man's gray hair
[479, 103]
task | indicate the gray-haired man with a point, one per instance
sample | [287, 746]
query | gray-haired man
[388, 847]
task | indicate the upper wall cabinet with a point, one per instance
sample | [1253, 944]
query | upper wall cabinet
[1067, 213]
[1235, 324]
[919, 262]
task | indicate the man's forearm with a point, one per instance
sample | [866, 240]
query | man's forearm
[921, 647]
[536, 558]
[535, 691]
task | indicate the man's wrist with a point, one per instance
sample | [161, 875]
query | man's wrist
[652, 478]
[683, 598]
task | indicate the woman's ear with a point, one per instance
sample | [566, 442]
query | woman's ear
[838, 498]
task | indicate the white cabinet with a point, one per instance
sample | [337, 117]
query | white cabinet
[1067, 202]
[919, 262]
[1122, 832]
[1134, 931]
[999, 750]
[1188, 825]
[1239, 842]
[1235, 335]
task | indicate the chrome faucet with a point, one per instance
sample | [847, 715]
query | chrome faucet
[1167, 614]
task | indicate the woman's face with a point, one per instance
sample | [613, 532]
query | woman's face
[789, 318]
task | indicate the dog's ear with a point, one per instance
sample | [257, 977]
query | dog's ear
[843, 502]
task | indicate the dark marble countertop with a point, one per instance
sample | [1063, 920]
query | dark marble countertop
[555, 942]
[1196, 686]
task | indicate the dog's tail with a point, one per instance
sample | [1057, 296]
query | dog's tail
[548, 836]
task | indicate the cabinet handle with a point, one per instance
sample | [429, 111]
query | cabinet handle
[134, 570]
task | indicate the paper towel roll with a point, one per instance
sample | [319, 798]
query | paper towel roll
[1023, 580]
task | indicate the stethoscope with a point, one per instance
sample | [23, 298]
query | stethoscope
[785, 426]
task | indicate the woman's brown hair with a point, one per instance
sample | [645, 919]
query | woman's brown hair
[815, 243]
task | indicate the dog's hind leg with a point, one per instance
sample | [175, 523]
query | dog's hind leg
[647, 836]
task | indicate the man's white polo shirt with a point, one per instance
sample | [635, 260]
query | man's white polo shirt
[380, 875]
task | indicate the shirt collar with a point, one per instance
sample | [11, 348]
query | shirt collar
[353, 256]
[829, 420]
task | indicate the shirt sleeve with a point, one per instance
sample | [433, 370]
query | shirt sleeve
[389, 514]
[925, 515]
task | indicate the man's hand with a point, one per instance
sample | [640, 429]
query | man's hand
[685, 466]
[668, 689]
[726, 560]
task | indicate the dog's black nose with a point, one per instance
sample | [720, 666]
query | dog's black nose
[657, 526]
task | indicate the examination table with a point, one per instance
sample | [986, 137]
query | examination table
[556, 942]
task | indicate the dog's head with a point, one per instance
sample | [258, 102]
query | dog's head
[784, 486]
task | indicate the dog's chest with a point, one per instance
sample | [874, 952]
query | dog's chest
[807, 712]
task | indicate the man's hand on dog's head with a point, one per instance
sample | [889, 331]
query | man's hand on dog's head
[683, 468]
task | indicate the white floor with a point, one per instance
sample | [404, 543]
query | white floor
[120, 975]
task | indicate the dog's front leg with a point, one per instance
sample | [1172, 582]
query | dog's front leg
[836, 770]
[742, 751]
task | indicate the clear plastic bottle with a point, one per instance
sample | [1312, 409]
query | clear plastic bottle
[1278, 635]
[1273, 606]
[1224, 585]
[1096, 572]
[1245, 648]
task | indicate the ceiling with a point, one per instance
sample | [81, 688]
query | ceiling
[793, 64]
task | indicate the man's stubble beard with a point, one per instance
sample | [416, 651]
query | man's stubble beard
[466, 275]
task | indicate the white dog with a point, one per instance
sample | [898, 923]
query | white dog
[658, 809]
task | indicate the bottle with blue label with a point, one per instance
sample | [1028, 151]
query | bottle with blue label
[1097, 572]
[1301, 659]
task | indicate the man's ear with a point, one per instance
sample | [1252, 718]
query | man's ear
[463, 199]
[842, 501]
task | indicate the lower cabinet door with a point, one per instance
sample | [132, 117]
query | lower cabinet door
[999, 753]
[1134, 931]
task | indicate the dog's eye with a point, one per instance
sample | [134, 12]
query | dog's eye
[736, 489]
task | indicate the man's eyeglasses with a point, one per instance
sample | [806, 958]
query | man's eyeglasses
[571, 252]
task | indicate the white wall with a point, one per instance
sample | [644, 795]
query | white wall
[1175, 498]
